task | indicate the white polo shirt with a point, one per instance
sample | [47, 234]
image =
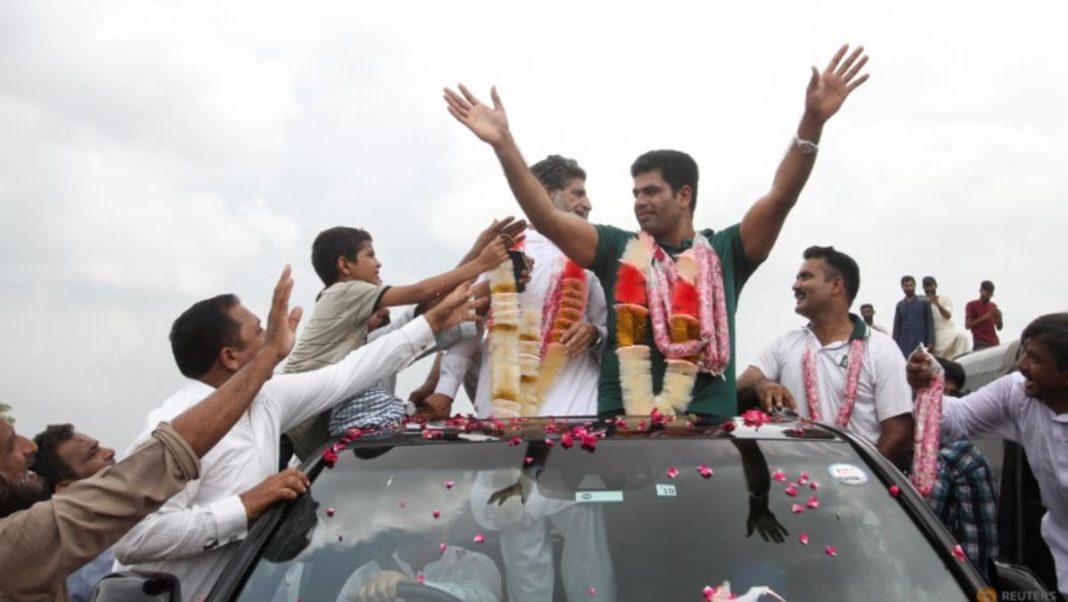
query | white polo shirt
[883, 391]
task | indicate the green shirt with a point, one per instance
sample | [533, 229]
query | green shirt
[711, 396]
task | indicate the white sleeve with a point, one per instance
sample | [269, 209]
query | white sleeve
[987, 412]
[476, 579]
[302, 395]
[769, 362]
[178, 530]
[893, 395]
[454, 366]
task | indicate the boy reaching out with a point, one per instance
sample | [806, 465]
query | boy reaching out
[344, 258]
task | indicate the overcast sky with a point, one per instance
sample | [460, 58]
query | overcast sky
[159, 153]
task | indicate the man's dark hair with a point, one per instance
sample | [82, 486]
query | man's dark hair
[954, 372]
[868, 305]
[676, 167]
[841, 265]
[907, 278]
[46, 462]
[336, 242]
[929, 281]
[555, 171]
[986, 285]
[201, 332]
[1052, 331]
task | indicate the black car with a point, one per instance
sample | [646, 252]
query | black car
[614, 509]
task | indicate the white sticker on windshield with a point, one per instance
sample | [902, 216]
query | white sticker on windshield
[598, 496]
[849, 474]
[665, 490]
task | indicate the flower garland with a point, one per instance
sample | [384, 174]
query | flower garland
[525, 352]
[808, 362]
[686, 303]
[928, 435]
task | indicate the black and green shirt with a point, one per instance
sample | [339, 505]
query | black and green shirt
[711, 395]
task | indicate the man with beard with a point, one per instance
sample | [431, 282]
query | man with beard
[42, 543]
[843, 357]
[913, 321]
[65, 456]
[634, 373]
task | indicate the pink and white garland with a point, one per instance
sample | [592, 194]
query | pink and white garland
[928, 436]
[856, 360]
[714, 346]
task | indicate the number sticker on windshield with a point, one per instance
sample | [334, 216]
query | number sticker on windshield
[848, 474]
[665, 490]
[598, 496]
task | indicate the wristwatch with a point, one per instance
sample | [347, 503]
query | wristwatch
[807, 147]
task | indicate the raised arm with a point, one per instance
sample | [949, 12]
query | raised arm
[492, 255]
[576, 237]
[825, 94]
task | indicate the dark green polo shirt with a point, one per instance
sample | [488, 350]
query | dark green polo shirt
[711, 396]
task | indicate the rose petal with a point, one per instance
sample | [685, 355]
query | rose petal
[830, 551]
[779, 475]
[802, 479]
[566, 440]
[755, 418]
[958, 553]
[330, 512]
[803, 538]
[895, 491]
[707, 592]
[797, 508]
[450, 484]
[420, 579]
[813, 501]
[592, 592]
[403, 504]
[436, 513]
[515, 442]
[527, 461]
[479, 538]
[791, 490]
[728, 426]
[705, 470]
[442, 547]
[549, 442]
[672, 472]
[814, 485]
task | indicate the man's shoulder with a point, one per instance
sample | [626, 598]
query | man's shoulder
[883, 350]
[612, 233]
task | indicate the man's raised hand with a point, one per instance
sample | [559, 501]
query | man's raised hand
[829, 89]
[281, 322]
[490, 124]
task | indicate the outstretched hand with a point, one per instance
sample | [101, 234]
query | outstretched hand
[490, 124]
[281, 322]
[829, 89]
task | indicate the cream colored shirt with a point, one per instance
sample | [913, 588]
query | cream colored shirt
[337, 325]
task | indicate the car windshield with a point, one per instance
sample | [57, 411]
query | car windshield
[651, 518]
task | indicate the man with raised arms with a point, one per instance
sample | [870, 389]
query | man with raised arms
[671, 291]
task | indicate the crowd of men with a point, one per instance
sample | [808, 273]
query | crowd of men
[215, 454]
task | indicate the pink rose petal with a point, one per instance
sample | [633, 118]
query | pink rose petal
[707, 592]
[755, 418]
[479, 538]
[527, 461]
[895, 491]
[728, 426]
[813, 501]
[549, 442]
[450, 484]
[567, 440]
[442, 547]
[592, 592]
[330, 512]
[403, 504]
[958, 553]
[420, 579]
[779, 475]
[814, 485]
[791, 490]
[672, 472]
[797, 508]
[802, 479]
[803, 538]
[705, 470]
[436, 513]
[830, 551]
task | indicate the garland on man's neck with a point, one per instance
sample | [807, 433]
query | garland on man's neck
[686, 302]
[928, 435]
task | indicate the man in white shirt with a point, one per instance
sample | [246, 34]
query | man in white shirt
[194, 534]
[525, 542]
[948, 342]
[575, 391]
[824, 350]
[1029, 407]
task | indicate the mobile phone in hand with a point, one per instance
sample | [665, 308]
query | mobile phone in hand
[519, 265]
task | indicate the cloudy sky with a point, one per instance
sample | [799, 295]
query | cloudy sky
[158, 153]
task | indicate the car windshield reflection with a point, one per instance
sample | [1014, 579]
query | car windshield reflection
[631, 520]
